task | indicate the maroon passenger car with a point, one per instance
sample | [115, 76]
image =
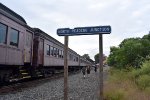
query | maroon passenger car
[27, 52]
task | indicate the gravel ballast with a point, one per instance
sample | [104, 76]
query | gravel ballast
[79, 88]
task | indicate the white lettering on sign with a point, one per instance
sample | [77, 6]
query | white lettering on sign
[63, 31]
[95, 29]
[79, 30]
[107, 29]
[99, 29]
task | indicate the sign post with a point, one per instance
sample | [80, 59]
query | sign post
[84, 31]
[101, 66]
[66, 68]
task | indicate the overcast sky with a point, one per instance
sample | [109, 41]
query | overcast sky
[128, 18]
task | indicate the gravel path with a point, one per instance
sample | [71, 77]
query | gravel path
[79, 89]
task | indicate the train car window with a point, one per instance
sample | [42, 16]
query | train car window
[70, 56]
[81, 61]
[54, 51]
[14, 37]
[48, 50]
[3, 33]
[51, 50]
[74, 59]
[59, 53]
[77, 59]
[62, 54]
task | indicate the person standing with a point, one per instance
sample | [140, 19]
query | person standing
[95, 68]
[88, 69]
[84, 71]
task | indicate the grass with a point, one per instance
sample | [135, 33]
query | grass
[141, 76]
[128, 85]
[115, 95]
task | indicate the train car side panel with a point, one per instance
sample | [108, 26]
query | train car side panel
[73, 59]
[14, 42]
[2, 54]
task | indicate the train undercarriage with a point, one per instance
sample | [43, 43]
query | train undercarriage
[13, 73]
[9, 74]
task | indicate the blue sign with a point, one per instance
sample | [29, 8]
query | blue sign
[84, 31]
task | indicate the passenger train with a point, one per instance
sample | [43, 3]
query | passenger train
[27, 52]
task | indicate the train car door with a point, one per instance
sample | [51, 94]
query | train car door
[28, 47]
[41, 52]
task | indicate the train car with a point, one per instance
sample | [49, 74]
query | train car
[85, 62]
[27, 52]
[48, 55]
[15, 44]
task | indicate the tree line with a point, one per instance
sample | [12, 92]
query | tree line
[131, 52]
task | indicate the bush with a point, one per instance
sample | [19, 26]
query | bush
[117, 75]
[143, 82]
[135, 74]
[142, 76]
[144, 70]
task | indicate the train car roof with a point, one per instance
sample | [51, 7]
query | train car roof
[9, 13]
[41, 33]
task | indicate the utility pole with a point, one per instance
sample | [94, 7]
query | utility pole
[66, 68]
[101, 66]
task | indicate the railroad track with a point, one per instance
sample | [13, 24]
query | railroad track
[17, 87]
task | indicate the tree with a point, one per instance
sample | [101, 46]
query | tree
[130, 53]
[112, 59]
[96, 57]
[146, 36]
[86, 56]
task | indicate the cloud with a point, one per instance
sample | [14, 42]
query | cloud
[136, 13]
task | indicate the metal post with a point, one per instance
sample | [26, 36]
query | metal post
[66, 68]
[101, 65]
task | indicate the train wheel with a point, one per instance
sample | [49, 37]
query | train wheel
[1, 81]
[6, 78]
